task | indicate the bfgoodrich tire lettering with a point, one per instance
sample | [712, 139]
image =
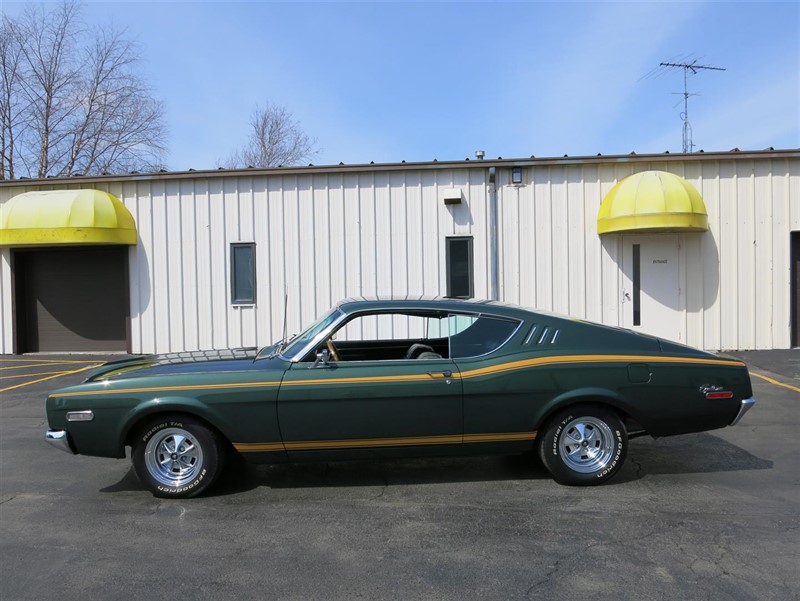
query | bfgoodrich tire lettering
[177, 456]
[584, 445]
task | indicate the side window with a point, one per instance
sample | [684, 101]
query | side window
[391, 337]
[243, 274]
[392, 326]
[438, 327]
[475, 336]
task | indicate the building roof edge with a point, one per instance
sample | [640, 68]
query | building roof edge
[735, 154]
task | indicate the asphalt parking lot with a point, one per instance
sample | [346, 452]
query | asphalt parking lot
[713, 516]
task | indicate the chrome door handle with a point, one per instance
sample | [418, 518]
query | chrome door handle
[446, 373]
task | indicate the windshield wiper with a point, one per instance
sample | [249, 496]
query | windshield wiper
[281, 345]
[277, 348]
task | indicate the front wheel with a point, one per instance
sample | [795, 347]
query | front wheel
[177, 456]
[584, 445]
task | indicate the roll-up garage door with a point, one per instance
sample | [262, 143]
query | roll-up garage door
[795, 292]
[72, 299]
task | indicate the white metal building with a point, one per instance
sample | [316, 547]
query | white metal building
[208, 256]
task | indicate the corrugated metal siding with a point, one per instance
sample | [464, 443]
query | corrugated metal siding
[324, 236]
[319, 238]
[735, 278]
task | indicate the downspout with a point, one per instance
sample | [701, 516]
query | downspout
[494, 277]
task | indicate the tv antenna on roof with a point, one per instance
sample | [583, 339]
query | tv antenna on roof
[694, 68]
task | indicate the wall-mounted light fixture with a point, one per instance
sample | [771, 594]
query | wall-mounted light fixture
[451, 196]
[516, 175]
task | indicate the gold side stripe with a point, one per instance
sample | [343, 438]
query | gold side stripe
[372, 442]
[474, 373]
[172, 388]
[258, 447]
[360, 443]
[382, 379]
[511, 436]
[270, 384]
[558, 360]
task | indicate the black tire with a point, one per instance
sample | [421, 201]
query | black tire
[583, 445]
[185, 471]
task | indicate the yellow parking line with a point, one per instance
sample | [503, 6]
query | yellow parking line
[771, 381]
[38, 360]
[58, 375]
[41, 373]
[48, 364]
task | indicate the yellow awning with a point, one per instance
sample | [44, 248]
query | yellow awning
[652, 201]
[65, 217]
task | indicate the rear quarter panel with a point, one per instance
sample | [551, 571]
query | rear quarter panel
[518, 392]
[674, 402]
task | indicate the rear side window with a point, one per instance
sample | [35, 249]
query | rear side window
[473, 336]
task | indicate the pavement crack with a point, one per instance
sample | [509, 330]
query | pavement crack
[383, 487]
[639, 468]
[556, 567]
[11, 498]
[550, 573]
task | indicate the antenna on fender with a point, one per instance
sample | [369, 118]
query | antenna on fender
[285, 311]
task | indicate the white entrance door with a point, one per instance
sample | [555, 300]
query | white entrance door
[652, 300]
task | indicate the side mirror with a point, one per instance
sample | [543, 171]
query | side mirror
[323, 358]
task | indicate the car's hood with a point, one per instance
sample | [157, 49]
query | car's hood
[241, 359]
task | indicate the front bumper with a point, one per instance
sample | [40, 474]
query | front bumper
[744, 408]
[60, 440]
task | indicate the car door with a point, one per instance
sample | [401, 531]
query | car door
[370, 407]
[375, 405]
[498, 403]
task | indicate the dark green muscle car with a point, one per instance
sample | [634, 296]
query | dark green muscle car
[380, 378]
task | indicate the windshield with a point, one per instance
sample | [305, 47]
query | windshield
[298, 343]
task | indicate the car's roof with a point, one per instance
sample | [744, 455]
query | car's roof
[352, 305]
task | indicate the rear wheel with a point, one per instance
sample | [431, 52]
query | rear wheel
[177, 456]
[584, 445]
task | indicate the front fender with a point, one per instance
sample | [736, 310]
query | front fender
[143, 411]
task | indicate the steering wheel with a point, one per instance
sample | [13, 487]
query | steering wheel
[415, 350]
[332, 350]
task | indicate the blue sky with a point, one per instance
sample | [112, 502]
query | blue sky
[386, 82]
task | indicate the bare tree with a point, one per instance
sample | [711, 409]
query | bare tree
[275, 139]
[70, 106]
[12, 105]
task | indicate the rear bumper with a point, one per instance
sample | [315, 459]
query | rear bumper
[60, 440]
[744, 408]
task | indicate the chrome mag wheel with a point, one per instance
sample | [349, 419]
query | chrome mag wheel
[586, 445]
[173, 457]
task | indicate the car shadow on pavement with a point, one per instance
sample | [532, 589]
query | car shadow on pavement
[686, 454]
[240, 476]
[129, 482]
[700, 453]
